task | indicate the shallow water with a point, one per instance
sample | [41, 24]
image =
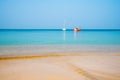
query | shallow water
[58, 49]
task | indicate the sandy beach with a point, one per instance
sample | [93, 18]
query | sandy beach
[61, 67]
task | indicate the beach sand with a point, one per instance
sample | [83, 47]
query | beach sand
[61, 67]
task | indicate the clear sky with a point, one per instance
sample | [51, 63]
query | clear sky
[89, 14]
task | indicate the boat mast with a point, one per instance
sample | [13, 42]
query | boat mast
[64, 26]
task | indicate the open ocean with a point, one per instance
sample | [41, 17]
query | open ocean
[32, 41]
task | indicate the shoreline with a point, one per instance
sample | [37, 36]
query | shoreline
[53, 55]
[34, 50]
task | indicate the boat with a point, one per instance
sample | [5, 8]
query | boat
[76, 29]
[64, 29]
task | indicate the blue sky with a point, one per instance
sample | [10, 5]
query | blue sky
[89, 14]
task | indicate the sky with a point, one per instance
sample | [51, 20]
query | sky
[52, 14]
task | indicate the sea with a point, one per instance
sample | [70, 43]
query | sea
[42, 41]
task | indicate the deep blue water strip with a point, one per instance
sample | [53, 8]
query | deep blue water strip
[58, 29]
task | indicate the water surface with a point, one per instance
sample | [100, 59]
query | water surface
[32, 37]
[25, 42]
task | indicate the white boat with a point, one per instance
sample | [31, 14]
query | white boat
[64, 29]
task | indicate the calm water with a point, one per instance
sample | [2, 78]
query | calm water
[38, 37]
[36, 42]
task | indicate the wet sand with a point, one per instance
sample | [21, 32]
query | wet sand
[61, 67]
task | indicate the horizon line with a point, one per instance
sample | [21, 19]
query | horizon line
[66, 29]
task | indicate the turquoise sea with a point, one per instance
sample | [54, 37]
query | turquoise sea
[52, 36]
[39, 41]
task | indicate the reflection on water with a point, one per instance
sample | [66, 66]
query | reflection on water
[64, 35]
[75, 35]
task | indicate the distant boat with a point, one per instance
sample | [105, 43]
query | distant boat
[64, 29]
[76, 29]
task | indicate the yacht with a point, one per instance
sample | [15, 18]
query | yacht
[76, 29]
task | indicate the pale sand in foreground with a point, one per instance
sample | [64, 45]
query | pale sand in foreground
[61, 67]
